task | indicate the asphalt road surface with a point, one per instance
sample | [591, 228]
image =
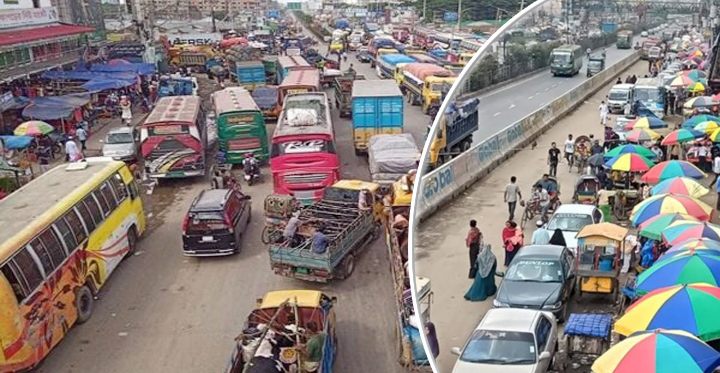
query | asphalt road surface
[164, 313]
[508, 104]
[440, 253]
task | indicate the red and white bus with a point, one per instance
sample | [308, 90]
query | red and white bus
[303, 159]
[300, 81]
[173, 138]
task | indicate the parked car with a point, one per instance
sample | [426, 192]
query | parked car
[363, 55]
[540, 277]
[121, 144]
[215, 223]
[509, 341]
[570, 219]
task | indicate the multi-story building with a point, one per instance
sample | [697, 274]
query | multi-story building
[170, 7]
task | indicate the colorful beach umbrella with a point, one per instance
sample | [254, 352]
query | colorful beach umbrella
[694, 121]
[645, 122]
[681, 81]
[680, 231]
[669, 169]
[695, 87]
[702, 101]
[692, 308]
[682, 136]
[707, 127]
[653, 227]
[696, 53]
[33, 128]
[694, 74]
[641, 135]
[669, 204]
[629, 163]
[695, 244]
[715, 136]
[629, 149]
[658, 351]
[689, 267]
[680, 185]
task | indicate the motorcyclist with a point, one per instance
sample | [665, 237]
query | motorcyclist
[251, 165]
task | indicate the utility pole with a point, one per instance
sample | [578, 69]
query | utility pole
[459, 14]
[522, 5]
[424, 8]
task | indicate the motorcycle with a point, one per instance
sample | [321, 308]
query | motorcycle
[252, 172]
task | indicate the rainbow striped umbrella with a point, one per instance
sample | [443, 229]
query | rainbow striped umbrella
[682, 136]
[688, 267]
[653, 227]
[697, 102]
[658, 351]
[695, 74]
[680, 185]
[707, 127]
[680, 231]
[641, 135]
[714, 136]
[33, 128]
[681, 81]
[646, 123]
[692, 308]
[668, 204]
[629, 149]
[694, 244]
[670, 169]
[629, 162]
[694, 121]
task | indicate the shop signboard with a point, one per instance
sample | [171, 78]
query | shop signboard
[197, 38]
[28, 17]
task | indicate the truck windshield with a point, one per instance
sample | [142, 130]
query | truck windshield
[618, 95]
[648, 94]
[623, 37]
[596, 65]
[561, 58]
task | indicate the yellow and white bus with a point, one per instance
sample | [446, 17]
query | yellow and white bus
[61, 237]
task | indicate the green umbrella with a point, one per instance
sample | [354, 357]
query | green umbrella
[630, 148]
[654, 226]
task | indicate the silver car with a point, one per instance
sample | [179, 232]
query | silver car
[121, 144]
[510, 340]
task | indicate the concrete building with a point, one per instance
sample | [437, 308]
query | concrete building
[169, 7]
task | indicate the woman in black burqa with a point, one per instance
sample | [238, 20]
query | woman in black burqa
[558, 238]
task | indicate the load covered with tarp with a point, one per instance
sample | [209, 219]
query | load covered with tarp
[54, 107]
[461, 109]
[265, 97]
[392, 156]
[241, 53]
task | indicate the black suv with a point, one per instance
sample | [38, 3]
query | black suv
[215, 223]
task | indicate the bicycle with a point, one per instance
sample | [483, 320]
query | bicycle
[271, 234]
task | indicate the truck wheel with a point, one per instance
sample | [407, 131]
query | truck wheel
[346, 267]
[84, 304]
[465, 146]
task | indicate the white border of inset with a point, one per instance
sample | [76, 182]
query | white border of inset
[431, 134]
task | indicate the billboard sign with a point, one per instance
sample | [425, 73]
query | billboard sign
[450, 17]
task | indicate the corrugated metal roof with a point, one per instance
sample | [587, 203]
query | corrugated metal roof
[20, 36]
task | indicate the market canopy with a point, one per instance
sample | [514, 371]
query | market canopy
[136, 68]
[88, 75]
[101, 84]
[54, 107]
[16, 142]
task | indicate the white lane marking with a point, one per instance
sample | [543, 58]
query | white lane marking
[511, 106]
[547, 89]
[496, 114]
[530, 98]
[554, 85]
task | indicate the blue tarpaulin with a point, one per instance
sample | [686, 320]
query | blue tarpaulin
[137, 68]
[87, 75]
[16, 142]
[101, 84]
[54, 107]
[265, 97]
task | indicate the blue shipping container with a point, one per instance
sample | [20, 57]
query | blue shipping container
[377, 112]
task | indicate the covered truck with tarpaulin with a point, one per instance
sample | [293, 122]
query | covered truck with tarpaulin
[173, 138]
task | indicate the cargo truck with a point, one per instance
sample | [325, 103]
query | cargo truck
[348, 231]
[453, 139]
[343, 86]
[387, 63]
[248, 74]
[392, 156]
[625, 39]
[425, 84]
[377, 108]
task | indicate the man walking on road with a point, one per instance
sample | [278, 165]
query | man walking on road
[82, 136]
[553, 159]
[569, 149]
[512, 193]
[473, 241]
[603, 113]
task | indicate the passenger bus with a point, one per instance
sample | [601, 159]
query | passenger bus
[285, 64]
[240, 125]
[301, 81]
[173, 138]
[62, 236]
[566, 60]
[303, 160]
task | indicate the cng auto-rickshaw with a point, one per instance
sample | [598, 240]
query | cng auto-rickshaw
[599, 258]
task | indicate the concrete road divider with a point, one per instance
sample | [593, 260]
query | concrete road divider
[444, 183]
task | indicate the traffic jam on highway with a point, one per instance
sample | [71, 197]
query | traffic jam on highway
[608, 232]
[259, 186]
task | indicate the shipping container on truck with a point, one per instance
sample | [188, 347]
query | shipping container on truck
[377, 108]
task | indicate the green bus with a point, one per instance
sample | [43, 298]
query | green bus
[566, 60]
[240, 125]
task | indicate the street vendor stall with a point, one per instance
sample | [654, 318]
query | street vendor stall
[599, 258]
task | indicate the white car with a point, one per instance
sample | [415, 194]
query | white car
[644, 34]
[570, 219]
[510, 340]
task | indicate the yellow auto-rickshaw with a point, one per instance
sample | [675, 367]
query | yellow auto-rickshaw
[599, 258]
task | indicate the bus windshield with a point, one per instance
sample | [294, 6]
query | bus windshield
[648, 94]
[303, 147]
[562, 58]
